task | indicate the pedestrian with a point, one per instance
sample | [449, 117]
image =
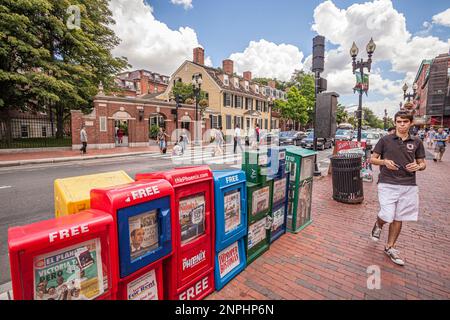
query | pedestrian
[421, 134]
[162, 140]
[237, 138]
[399, 156]
[185, 140]
[83, 139]
[430, 137]
[120, 135]
[177, 149]
[218, 139]
[441, 139]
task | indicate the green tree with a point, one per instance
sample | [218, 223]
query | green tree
[47, 66]
[371, 120]
[305, 83]
[341, 114]
[186, 91]
[295, 107]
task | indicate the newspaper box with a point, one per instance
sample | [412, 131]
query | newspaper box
[69, 258]
[256, 165]
[72, 194]
[259, 208]
[143, 214]
[300, 164]
[231, 224]
[279, 204]
[189, 273]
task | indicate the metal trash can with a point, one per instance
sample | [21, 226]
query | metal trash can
[347, 180]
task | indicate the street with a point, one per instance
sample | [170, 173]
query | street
[26, 192]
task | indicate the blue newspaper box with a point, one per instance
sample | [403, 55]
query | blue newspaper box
[277, 160]
[279, 204]
[230, 198]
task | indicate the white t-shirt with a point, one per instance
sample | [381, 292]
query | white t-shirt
[237, 132]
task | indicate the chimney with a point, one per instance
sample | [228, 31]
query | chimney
[272, 84]
[248, 75]
[228, 66]
[199, 55]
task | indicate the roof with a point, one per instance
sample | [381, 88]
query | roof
[424, 62]
[216, 73]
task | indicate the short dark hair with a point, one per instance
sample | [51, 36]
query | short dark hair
[404, 115]
[392, 128]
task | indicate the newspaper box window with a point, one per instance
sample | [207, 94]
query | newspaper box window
[231, 224]
[189, 273]
[69, 258]
[143, 213]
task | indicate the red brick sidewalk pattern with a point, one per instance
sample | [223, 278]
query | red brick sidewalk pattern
[329, 259]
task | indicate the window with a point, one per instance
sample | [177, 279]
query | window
[248, 123]
[248, 103]
[256, 88]
[214, 121]
[44, 131]
[246, 85]
[228, 121]
[238, 102]
[102, 124]
[226, 99]
[225, 80]
[24, 131]
[236, 83]
[266, 124]
[156, 89]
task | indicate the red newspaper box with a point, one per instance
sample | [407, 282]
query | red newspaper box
[189, 273]
[143, 212]
[69, 258]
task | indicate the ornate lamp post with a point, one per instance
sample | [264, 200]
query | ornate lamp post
[359, 66]
[196, 84]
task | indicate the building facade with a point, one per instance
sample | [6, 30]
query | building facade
[232, 99]
[140, 83]
[433, 94]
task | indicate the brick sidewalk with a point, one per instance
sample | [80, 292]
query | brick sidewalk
[329, 259]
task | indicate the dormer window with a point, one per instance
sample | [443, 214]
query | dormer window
[236, 83]
[256, 88]
[225, 80]
[246, 86]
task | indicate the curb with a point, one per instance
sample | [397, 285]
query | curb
[67, 159]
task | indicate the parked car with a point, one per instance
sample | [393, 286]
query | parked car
[343, 135]
[291, 137]
[322, 144]
[370, 137]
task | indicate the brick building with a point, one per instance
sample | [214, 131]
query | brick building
[140, 83]
[135, 115]
[433, 93]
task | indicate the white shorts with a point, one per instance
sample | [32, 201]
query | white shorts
[398, 203]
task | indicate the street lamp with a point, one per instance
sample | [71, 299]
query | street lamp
[409, 95]
[360, 65]
[385, 119]
[196, 84]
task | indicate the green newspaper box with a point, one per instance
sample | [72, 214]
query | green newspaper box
[256, 165]
[300, 164]
[259, 206]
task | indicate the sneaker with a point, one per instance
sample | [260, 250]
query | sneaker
[376, 232]
[394, 254]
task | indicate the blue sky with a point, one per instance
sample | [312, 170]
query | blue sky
[224, 27]
[273, 38]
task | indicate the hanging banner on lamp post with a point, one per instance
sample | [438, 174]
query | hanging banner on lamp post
[362, 82]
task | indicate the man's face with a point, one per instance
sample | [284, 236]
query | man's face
[138, 238]
[402, 125]
[440, 130]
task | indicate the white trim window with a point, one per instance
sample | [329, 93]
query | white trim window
[256, 88]
[226, 81]
[246, 86]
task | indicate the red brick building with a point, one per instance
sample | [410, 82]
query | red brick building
[135, 115]
[140, 83]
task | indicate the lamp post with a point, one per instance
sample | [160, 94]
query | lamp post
[196, 84]
[385, 119]
[360, 65]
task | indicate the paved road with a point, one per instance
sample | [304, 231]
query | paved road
[26, 192]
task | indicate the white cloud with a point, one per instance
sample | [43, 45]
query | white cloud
[147, 42]
[442, 18]
[381, 21]
[267, 59]
[208, 62]
[187, 4]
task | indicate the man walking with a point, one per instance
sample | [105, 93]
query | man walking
[440, 138]
[237, 138]
[83, 139]
[399, 156]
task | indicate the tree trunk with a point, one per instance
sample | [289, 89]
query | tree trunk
[8, 133]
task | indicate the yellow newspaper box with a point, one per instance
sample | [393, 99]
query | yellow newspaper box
[72, 195]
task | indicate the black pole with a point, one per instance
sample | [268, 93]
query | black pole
[316, 90]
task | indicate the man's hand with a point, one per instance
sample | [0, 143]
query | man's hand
[390, 165]
[413, 167]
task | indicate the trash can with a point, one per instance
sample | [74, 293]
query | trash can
[346, 176]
